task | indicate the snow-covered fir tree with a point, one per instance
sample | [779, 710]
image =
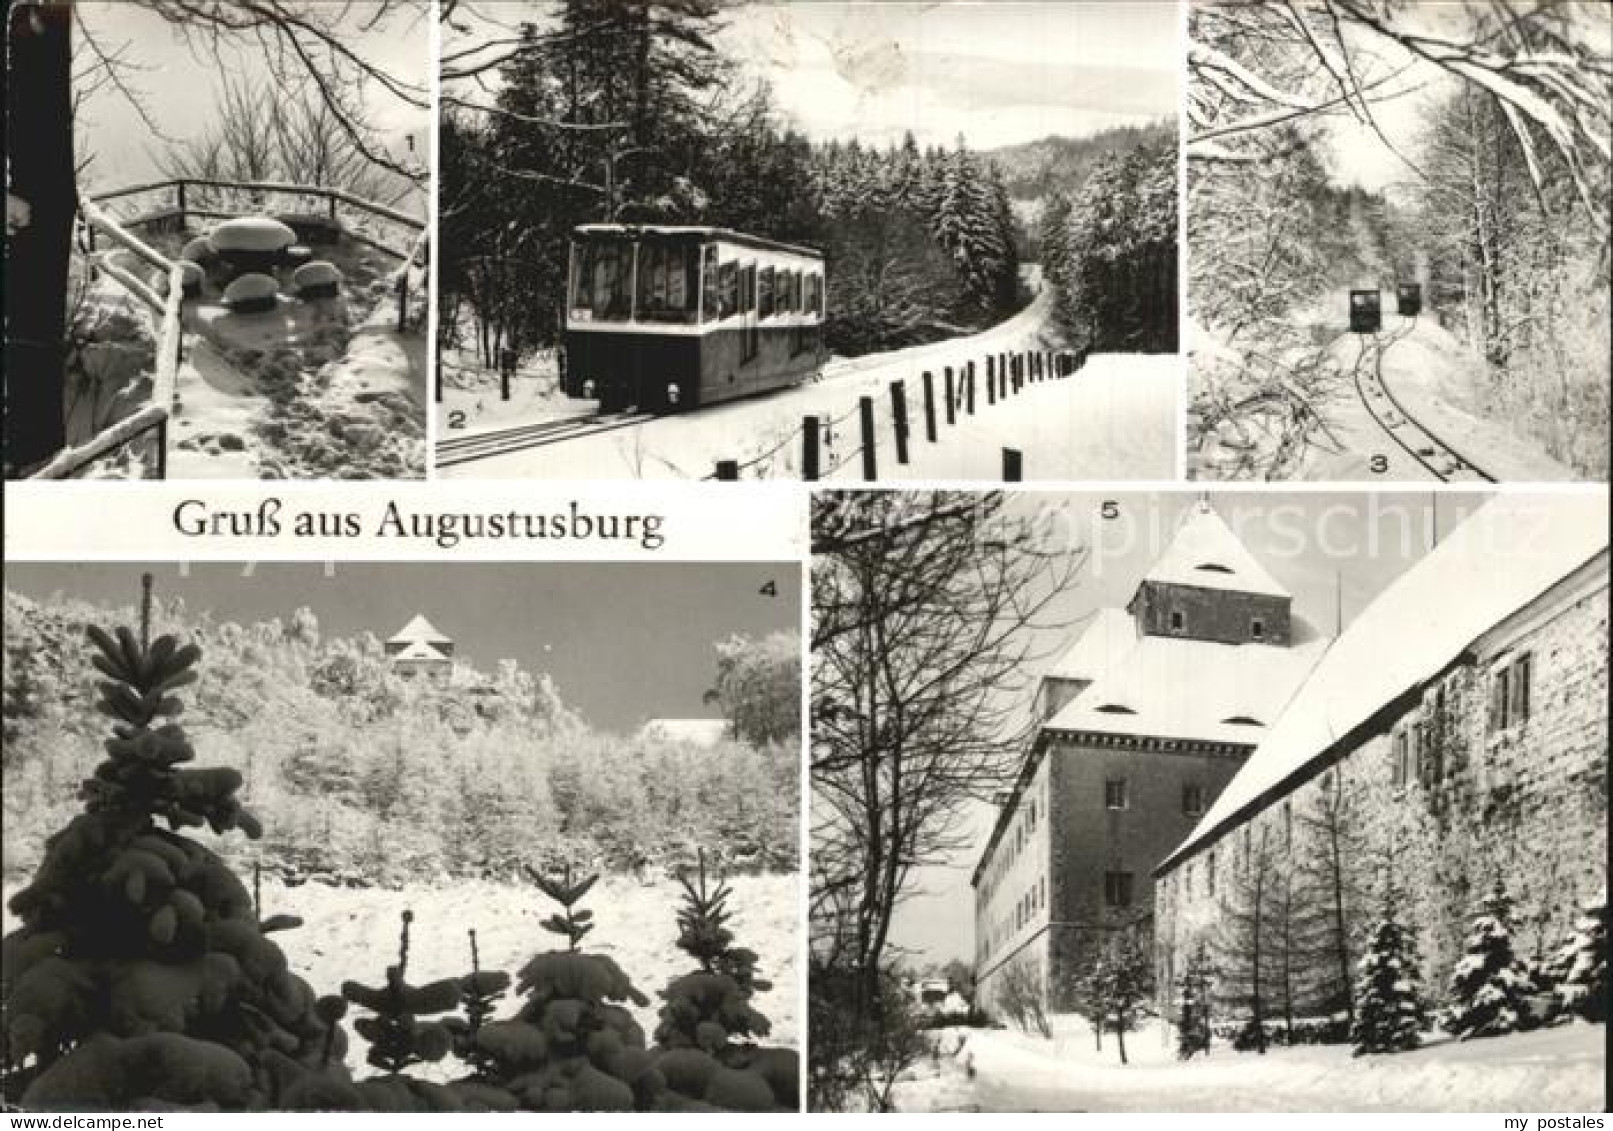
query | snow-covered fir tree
[1389, 1014]
[1193, 1005]
[1582, 961]
[1487, 988]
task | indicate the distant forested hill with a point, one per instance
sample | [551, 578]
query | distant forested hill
[1034, 170]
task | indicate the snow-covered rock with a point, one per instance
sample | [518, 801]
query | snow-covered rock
[251, 294]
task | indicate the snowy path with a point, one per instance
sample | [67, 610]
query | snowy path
[1559, 1069]
[1117, 421]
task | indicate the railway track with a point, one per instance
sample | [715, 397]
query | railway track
[453, 450]
[1420, 442]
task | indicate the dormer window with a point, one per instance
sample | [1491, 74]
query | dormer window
[1213, 567]
[1114, 709]
[1242, 721]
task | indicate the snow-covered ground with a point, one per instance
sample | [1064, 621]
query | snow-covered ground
[352, 933]
[1116, 420]
[1559, 1069]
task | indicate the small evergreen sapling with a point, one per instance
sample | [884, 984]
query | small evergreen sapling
[705, 1039]
[141, 977]
[1193, 1006]
[1389, 1015]
[1486, 994]
[572, 1046]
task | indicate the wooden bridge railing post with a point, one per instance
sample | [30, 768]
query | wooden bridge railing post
[727, 469]
[1002, 375]
[865, 419]
[1013, 465]
[809, 448]
[929, 406]
[991, 379]
[969, 383]
[899, 418]
[952, 407]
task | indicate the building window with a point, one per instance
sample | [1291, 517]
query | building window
[1114, 794]
[1178, 621]
[1398, 756]
[1117, 889]
[1209, 873]
[1257, 629]
[1193, 801]
[1509, 693]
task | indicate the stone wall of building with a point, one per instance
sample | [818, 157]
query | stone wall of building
[1090, 839]
[1012, 894]
[1440, 801]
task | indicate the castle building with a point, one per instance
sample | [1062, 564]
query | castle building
[1141, 725]
[418, 649]
[1453, 737]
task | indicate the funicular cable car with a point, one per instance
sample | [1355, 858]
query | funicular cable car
[664, 318]
[1409, 299]
[1366, 312]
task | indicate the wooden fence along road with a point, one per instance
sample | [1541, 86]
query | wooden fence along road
[959, 394]
[388, 230]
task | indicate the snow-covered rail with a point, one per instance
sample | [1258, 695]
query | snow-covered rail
[380, 226]
[152, 419]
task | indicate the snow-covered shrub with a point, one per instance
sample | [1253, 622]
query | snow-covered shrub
[1485, 997]
[251, 294]
[1389, 1014]
[318, 279]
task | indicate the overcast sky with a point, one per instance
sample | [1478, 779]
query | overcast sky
[999, 72]
[179, 81]
[1311, 542]
[623, 642]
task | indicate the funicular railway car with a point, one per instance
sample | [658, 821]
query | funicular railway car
[665, 319]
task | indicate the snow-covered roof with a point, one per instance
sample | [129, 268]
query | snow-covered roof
[704, 732]
[1200, 690]
[1505, 555]
[419, 650]
[1111, 634]
[694, 231]
[1205, 553]
[419, 628]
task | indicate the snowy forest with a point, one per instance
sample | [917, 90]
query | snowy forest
[1484, 133]
[140, 974]
[362, 778]
[631, 113]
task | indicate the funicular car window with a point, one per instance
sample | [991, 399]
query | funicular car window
[666, 282]
[728, 288]
[710, 297]
[764, 291]
[602, 285]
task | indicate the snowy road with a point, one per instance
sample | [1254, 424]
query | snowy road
[1115, 420]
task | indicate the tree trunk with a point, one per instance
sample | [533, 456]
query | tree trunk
[1120, 1035]
[39, 139]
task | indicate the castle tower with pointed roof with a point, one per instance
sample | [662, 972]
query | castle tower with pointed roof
[418, 649]
[1142, 723]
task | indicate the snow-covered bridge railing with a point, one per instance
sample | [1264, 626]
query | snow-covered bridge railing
[152, 419]
[380, 226]
[956, 396]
